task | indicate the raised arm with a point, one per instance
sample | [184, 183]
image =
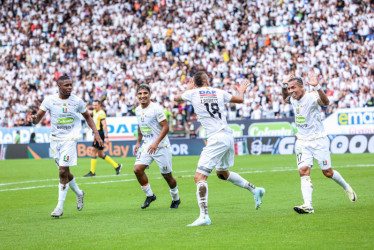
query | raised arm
[191, 85]
[91, 124]
[242, 88]
[313, 81]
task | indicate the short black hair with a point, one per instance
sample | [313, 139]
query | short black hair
[98, 101]
[143, 86]
[298, 79]
[63, 78]
[200, 78]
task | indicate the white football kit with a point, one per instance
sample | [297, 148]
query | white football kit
[208, 104]
[149, 123]
[312, 141]
[65, 127]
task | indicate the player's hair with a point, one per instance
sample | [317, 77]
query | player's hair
[63, 78]
[98, 101]
[200, 78]
[143, 86]
[298, 79]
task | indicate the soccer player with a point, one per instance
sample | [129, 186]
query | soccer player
[219, 152]
[312, 142]
[64, 109]
[153, 127]
[99, 117]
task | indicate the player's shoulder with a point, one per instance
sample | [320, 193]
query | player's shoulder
[137, 109]
[102, 112]
[75, 98]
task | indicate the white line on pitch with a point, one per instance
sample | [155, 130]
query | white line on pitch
[114, 181]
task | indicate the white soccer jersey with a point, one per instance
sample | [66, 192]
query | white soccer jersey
[209, 107]
[307, 117]
[149, 123]
[65, 116]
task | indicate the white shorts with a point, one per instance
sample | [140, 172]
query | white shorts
[307, 151]
[64, 152]
[162, 156]
[219, 153]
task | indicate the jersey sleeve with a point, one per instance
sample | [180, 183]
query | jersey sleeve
[315, 97]
[45, 106]
[226, 96]
[187, 96]
[81, 106]
[160, 114]
[102, 115]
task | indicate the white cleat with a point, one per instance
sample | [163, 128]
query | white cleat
[80, 201]
[57, 212]
[303, 209]
[351, 194]
[257, 195]
[201, 221]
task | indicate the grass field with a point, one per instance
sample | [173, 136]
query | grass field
[112, 217]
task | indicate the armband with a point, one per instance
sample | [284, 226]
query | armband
[318, 87]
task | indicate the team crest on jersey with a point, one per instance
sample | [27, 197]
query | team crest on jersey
[165, 168]
[324, 162]
[64, 109]
[142, 118]
[66, 158]
[297, 109]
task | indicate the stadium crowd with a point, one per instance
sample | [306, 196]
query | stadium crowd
[108, 47]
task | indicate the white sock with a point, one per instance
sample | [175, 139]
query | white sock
[239, 181]
[202, 197]
[174, 193]
[339, 179]
[62, 191]
[74, 186]
[147, 189]
[307, 190]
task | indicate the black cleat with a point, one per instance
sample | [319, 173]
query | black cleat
[175, 204]
[148, 201]
[90, 174]
[118, 169]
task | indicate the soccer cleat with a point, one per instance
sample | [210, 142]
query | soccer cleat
[351, 194]
[148, 201]
[80, 201]
[90, 174]
[57, 212]
[257, 195]
[303, 209]
[175, 204]
[201, 221]
[118, 169]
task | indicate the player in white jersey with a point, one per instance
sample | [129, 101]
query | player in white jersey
[64, 109]
[312, 142]
[153, 128]
[219, 152]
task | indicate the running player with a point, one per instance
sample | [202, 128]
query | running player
[153, 127]
[64, 109]
[99, 118]
[219, 152]
[312, 142]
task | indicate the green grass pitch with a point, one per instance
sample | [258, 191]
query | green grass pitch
[112, 217]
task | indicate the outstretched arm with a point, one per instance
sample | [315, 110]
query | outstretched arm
[191, 85]
[240, 98]
[91, 124]
[313, 81]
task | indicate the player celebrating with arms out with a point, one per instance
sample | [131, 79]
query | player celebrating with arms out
[219, 152]
[64, 109]
[312, 141]
[153, 127]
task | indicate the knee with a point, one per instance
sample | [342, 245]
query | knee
[221, 176]
[101, 155]
[304, 171]
[328, 173]
[138, 171]
[63, 173]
